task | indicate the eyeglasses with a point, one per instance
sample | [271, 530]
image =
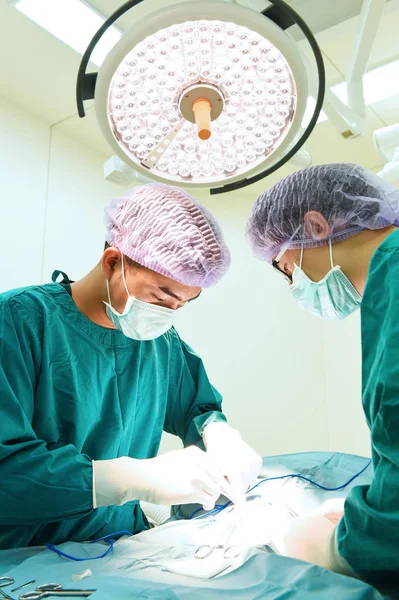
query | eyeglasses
[275, 266]
[283, 273]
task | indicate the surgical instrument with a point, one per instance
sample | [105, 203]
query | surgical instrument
[55, 589]
[228, 491]
[24, 585]
[4, 582]
[229, 552]
[290, 511]
[206, 550]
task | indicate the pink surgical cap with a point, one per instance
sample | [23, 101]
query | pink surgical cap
[164, 229]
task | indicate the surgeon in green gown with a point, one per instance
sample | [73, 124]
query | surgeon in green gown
[332, 232]
[92, 373]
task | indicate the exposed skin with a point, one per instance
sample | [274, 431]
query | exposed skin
[352, 255]
[90, 292]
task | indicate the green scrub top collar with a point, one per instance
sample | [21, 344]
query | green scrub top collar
[103, 335]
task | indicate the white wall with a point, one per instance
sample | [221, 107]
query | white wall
[77, 195]
[24, 149]
[52, 199]
[289, 381]
[348, 430]
[261, 351]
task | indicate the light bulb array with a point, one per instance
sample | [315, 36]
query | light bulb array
[252, 75]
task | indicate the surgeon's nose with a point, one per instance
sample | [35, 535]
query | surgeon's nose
[176, 304]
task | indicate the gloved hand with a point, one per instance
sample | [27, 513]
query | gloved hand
[308, 538]
[237, 461]
[181, 477]
[313, 538]
[332, 509]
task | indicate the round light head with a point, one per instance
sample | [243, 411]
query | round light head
[229, 55]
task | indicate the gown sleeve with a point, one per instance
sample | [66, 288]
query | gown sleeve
[368, 534]
[37, 484]
[193, 403]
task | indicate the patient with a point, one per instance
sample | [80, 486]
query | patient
[272, 520]
[303, 537]
[256, 527]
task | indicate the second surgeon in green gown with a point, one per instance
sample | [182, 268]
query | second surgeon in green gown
[92, 372]
[305, 226]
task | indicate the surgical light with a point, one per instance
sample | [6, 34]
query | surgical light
[202, 93]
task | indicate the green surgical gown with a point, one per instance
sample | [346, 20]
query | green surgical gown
[368, 535]
[72, 392]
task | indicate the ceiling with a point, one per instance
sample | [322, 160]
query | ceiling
[39, 73]
[319, 14]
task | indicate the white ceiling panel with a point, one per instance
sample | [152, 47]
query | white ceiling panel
[37, 71]
[338, 42]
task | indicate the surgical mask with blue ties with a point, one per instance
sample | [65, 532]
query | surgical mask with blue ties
[334, 297]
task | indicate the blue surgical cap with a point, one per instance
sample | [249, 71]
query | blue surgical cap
[350, 198]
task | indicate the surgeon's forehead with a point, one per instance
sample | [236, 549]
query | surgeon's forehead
[170, 287]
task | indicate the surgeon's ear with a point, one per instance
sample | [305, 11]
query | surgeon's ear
[316, 226]
[111, 258]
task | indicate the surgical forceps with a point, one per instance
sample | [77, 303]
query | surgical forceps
[229, 552]
[54, 589]
[205, 550]
[4, 582]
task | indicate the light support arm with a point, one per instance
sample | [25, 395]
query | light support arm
[86, 82]
[344, 118]
[370, 17]
[290, 15]
[349, 119]
[301, 159]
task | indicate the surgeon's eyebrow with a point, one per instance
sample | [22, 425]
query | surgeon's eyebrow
[169, 292]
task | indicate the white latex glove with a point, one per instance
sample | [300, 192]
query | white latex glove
[237, 461]
[332, 509]
[181, 477]
[307, 538]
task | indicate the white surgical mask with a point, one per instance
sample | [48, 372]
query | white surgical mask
[140, 320]
[334, 297]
